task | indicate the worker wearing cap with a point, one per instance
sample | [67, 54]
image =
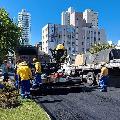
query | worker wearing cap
[17, 77]
[5, 71]
[25, 74]
[104, 78]
[37, 80]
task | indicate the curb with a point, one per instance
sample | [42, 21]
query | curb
[47, 112]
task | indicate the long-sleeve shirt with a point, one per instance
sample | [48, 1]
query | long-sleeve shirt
[4, 68]
[24, 72]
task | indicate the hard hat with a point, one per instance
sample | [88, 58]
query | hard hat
[23, 63]
[34, 59]
[60, 47]
[103, 63]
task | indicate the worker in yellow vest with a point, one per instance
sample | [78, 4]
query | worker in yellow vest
[25, 74]
[104, 78]
[37, 80]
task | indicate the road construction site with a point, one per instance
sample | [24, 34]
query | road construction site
[82, 102]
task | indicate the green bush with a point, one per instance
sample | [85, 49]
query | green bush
[8, 96]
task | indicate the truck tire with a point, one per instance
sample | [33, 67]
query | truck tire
[97, 78]
[90, 78]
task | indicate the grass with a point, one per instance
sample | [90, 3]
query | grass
[28, 110]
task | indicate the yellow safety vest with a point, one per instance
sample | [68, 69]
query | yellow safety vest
[24, 72]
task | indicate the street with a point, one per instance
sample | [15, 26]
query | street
[81, 103]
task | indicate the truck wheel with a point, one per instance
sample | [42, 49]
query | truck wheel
[98, 78]
[90, 78]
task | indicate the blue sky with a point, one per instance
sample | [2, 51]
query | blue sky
[49, 11]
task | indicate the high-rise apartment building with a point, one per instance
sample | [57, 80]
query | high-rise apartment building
[91, 17]
[77, 33]
[65, 16]
[54, 34]
[24, 22]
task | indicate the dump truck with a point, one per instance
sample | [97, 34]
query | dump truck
[88, 66]
[26, 53]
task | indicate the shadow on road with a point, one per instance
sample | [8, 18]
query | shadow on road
[62, 90]
[114, 81]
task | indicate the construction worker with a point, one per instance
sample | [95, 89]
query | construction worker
[104, 78]
[25, 74]
[37, 80]
[5, 71]
[17, 77]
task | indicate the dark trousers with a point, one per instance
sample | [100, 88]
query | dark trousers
[6, 77]
[25, 88]
[37, 80]
[16, 81]
[103, 83]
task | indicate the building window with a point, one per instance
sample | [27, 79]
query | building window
[82, 43]
[68, 42]
[88, 38]
[82, 49]
[47, 41]
[98, 33]
[59, 36]
[73, 43]
[94, 38]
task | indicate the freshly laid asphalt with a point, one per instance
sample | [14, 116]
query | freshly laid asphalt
[80, 103]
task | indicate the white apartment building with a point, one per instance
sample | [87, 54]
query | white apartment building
[87, 37]
[54, 34]
[91, 17]
[75, 40]
[65, 16]
[24, 22]
[77, 34]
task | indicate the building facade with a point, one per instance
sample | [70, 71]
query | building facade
[24, 22]
[65, 16]
[91, 17]
[54, 34]
[76, 32]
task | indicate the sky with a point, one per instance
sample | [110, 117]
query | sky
[49, 11]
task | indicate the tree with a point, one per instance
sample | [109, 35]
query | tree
[98, 47]
[9, 34]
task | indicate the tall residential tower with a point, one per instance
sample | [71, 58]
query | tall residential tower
[78, 31]
[24, 22]
[91, 17]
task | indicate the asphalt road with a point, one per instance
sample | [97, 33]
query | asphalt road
[81, 103]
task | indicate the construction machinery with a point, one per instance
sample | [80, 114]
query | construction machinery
[88, 66]
[59, 54]
[26, 53]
